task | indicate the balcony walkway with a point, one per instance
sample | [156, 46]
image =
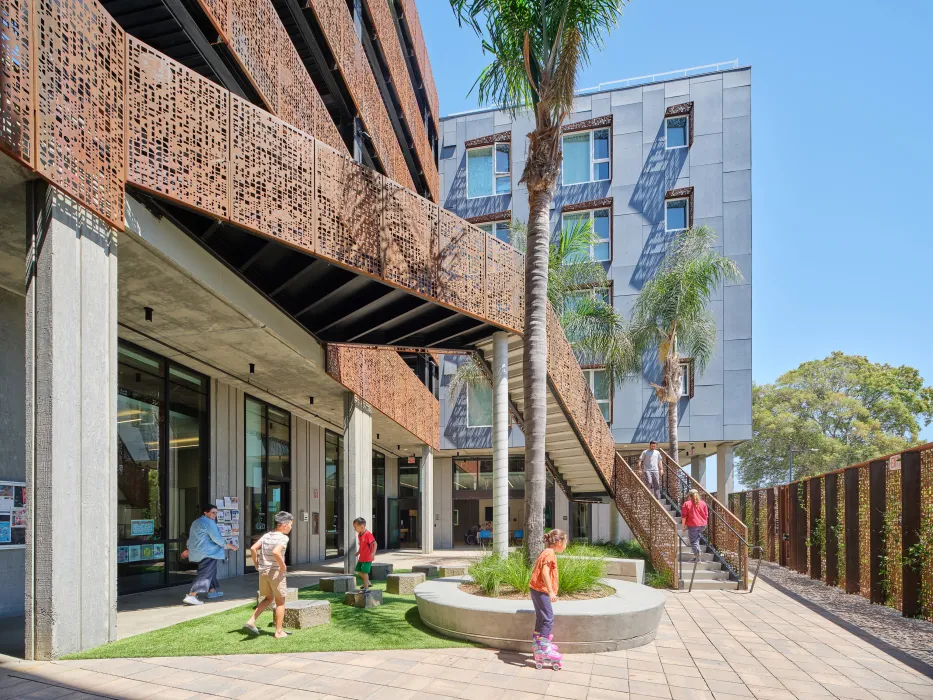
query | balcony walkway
[711, 645]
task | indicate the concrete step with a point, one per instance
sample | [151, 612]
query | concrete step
[703, 575]
[711, 585]
[687, 566]
[688, 556]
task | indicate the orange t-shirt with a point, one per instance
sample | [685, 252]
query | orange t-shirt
[545, 566]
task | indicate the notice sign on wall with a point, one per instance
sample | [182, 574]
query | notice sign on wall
[140, 528]
[13, 518]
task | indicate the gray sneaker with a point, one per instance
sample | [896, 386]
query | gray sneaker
[192, 600]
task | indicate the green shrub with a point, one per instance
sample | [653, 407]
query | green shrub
[517, 573]
[487, 573]
[659, 579]
[578, 573]
[630, 549]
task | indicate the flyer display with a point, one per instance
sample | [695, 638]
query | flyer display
[13, 514]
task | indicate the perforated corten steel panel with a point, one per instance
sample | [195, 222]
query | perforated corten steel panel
[218, 11]
[864, 532]
[349, 207]
[926, 529]
[461, 268]
[254, 38]
[178, 135]
[410, 239]
[295, 88]
[651, 524]
[388, 37]
[339, 31]
[410, 13]
[894, 594]
[80, 77]
[382, 379]
[573, 391]
[272, 176]
[16, 74]
[505, 285]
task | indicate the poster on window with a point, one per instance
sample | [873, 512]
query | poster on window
[13, 514]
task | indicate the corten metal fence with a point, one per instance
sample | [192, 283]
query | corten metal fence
[867, 528]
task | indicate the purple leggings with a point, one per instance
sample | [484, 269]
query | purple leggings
[544, 613]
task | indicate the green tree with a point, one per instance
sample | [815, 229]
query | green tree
[537, 49]
[671, 314]
[840, 410]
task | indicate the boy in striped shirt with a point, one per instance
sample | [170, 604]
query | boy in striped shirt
[269, 556]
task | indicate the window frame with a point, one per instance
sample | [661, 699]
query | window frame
[493, 226]
[687, 378]
[592, 214]
[590, 374]
[496, 174]
[467, 391]
[667, 121]
[667, 203]
[593, 159]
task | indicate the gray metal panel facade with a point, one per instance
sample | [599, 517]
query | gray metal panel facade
[717, 166]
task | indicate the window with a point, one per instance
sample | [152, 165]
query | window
[586, 156]
[677, 214]
[268, 469]
[479, 406]
[600, 293]
[489, 170]
[333, 494]
[500, 229]
[601, 249]
[678, 132]
[686, 379]
[602, 392]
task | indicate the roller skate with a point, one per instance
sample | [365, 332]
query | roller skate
[546, 654]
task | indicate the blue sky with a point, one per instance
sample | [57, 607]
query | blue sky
[842, 147]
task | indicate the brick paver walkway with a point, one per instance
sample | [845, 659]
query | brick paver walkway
[716, 645]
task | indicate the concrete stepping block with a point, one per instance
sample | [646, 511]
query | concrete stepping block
[290, 597]
[428, 570]
[403, 584]
[380, 571]
[358, 599]
[302, 614]
[338, 584]
[453, 571]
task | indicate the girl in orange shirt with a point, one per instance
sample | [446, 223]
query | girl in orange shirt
[544, 587]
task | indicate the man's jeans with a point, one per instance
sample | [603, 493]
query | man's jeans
[653, 482]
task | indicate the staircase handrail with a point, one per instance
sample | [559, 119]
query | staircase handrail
[633, 498]
[730, 543]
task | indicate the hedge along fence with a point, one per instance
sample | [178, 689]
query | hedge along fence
[867, 528]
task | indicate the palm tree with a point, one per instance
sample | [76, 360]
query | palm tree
[671, 313]
[537, 48]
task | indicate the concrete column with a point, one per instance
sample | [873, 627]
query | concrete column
[616, 525]
[698, 470]
[725, 467]
[427, 500]
[358, 465]
[71, 429]
[500, 443]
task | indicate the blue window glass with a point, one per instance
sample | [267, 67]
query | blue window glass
[677, 133]
[479, 172]
[576, 158]
[503, 233]
[601, 144]
[601, 171]
[503, 158]
[503, 184]
[676, 214]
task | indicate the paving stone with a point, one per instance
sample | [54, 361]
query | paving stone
[338, 584]
[358, 599]
[302, 614]
[379, 571]
[403, 584]
[446, 571]
[428, 570]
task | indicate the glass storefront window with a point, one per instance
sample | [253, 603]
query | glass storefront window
[333, 495]
[268, 468]
[162, 466]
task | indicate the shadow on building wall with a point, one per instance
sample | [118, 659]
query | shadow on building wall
[458, 203]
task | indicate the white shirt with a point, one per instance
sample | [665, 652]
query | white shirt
[651, 460]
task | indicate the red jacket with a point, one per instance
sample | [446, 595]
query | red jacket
[694, 515]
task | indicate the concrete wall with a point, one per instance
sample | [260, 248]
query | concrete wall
[13, 432]
[718, 166]
[228, 462]
[443, 503]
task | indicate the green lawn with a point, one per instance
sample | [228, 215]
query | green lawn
[393, 625]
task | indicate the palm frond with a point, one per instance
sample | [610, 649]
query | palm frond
[470, 373]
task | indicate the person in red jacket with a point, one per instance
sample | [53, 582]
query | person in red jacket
[695, 515]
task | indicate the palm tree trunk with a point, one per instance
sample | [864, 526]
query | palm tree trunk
[672, 430]
[534, 369]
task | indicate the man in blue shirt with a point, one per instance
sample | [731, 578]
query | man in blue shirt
[206, 546]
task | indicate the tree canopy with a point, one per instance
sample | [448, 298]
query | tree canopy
[840, 410]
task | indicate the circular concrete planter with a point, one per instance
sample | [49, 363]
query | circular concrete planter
[630, 618]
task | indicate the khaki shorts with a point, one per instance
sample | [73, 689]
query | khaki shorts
[272, 584]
